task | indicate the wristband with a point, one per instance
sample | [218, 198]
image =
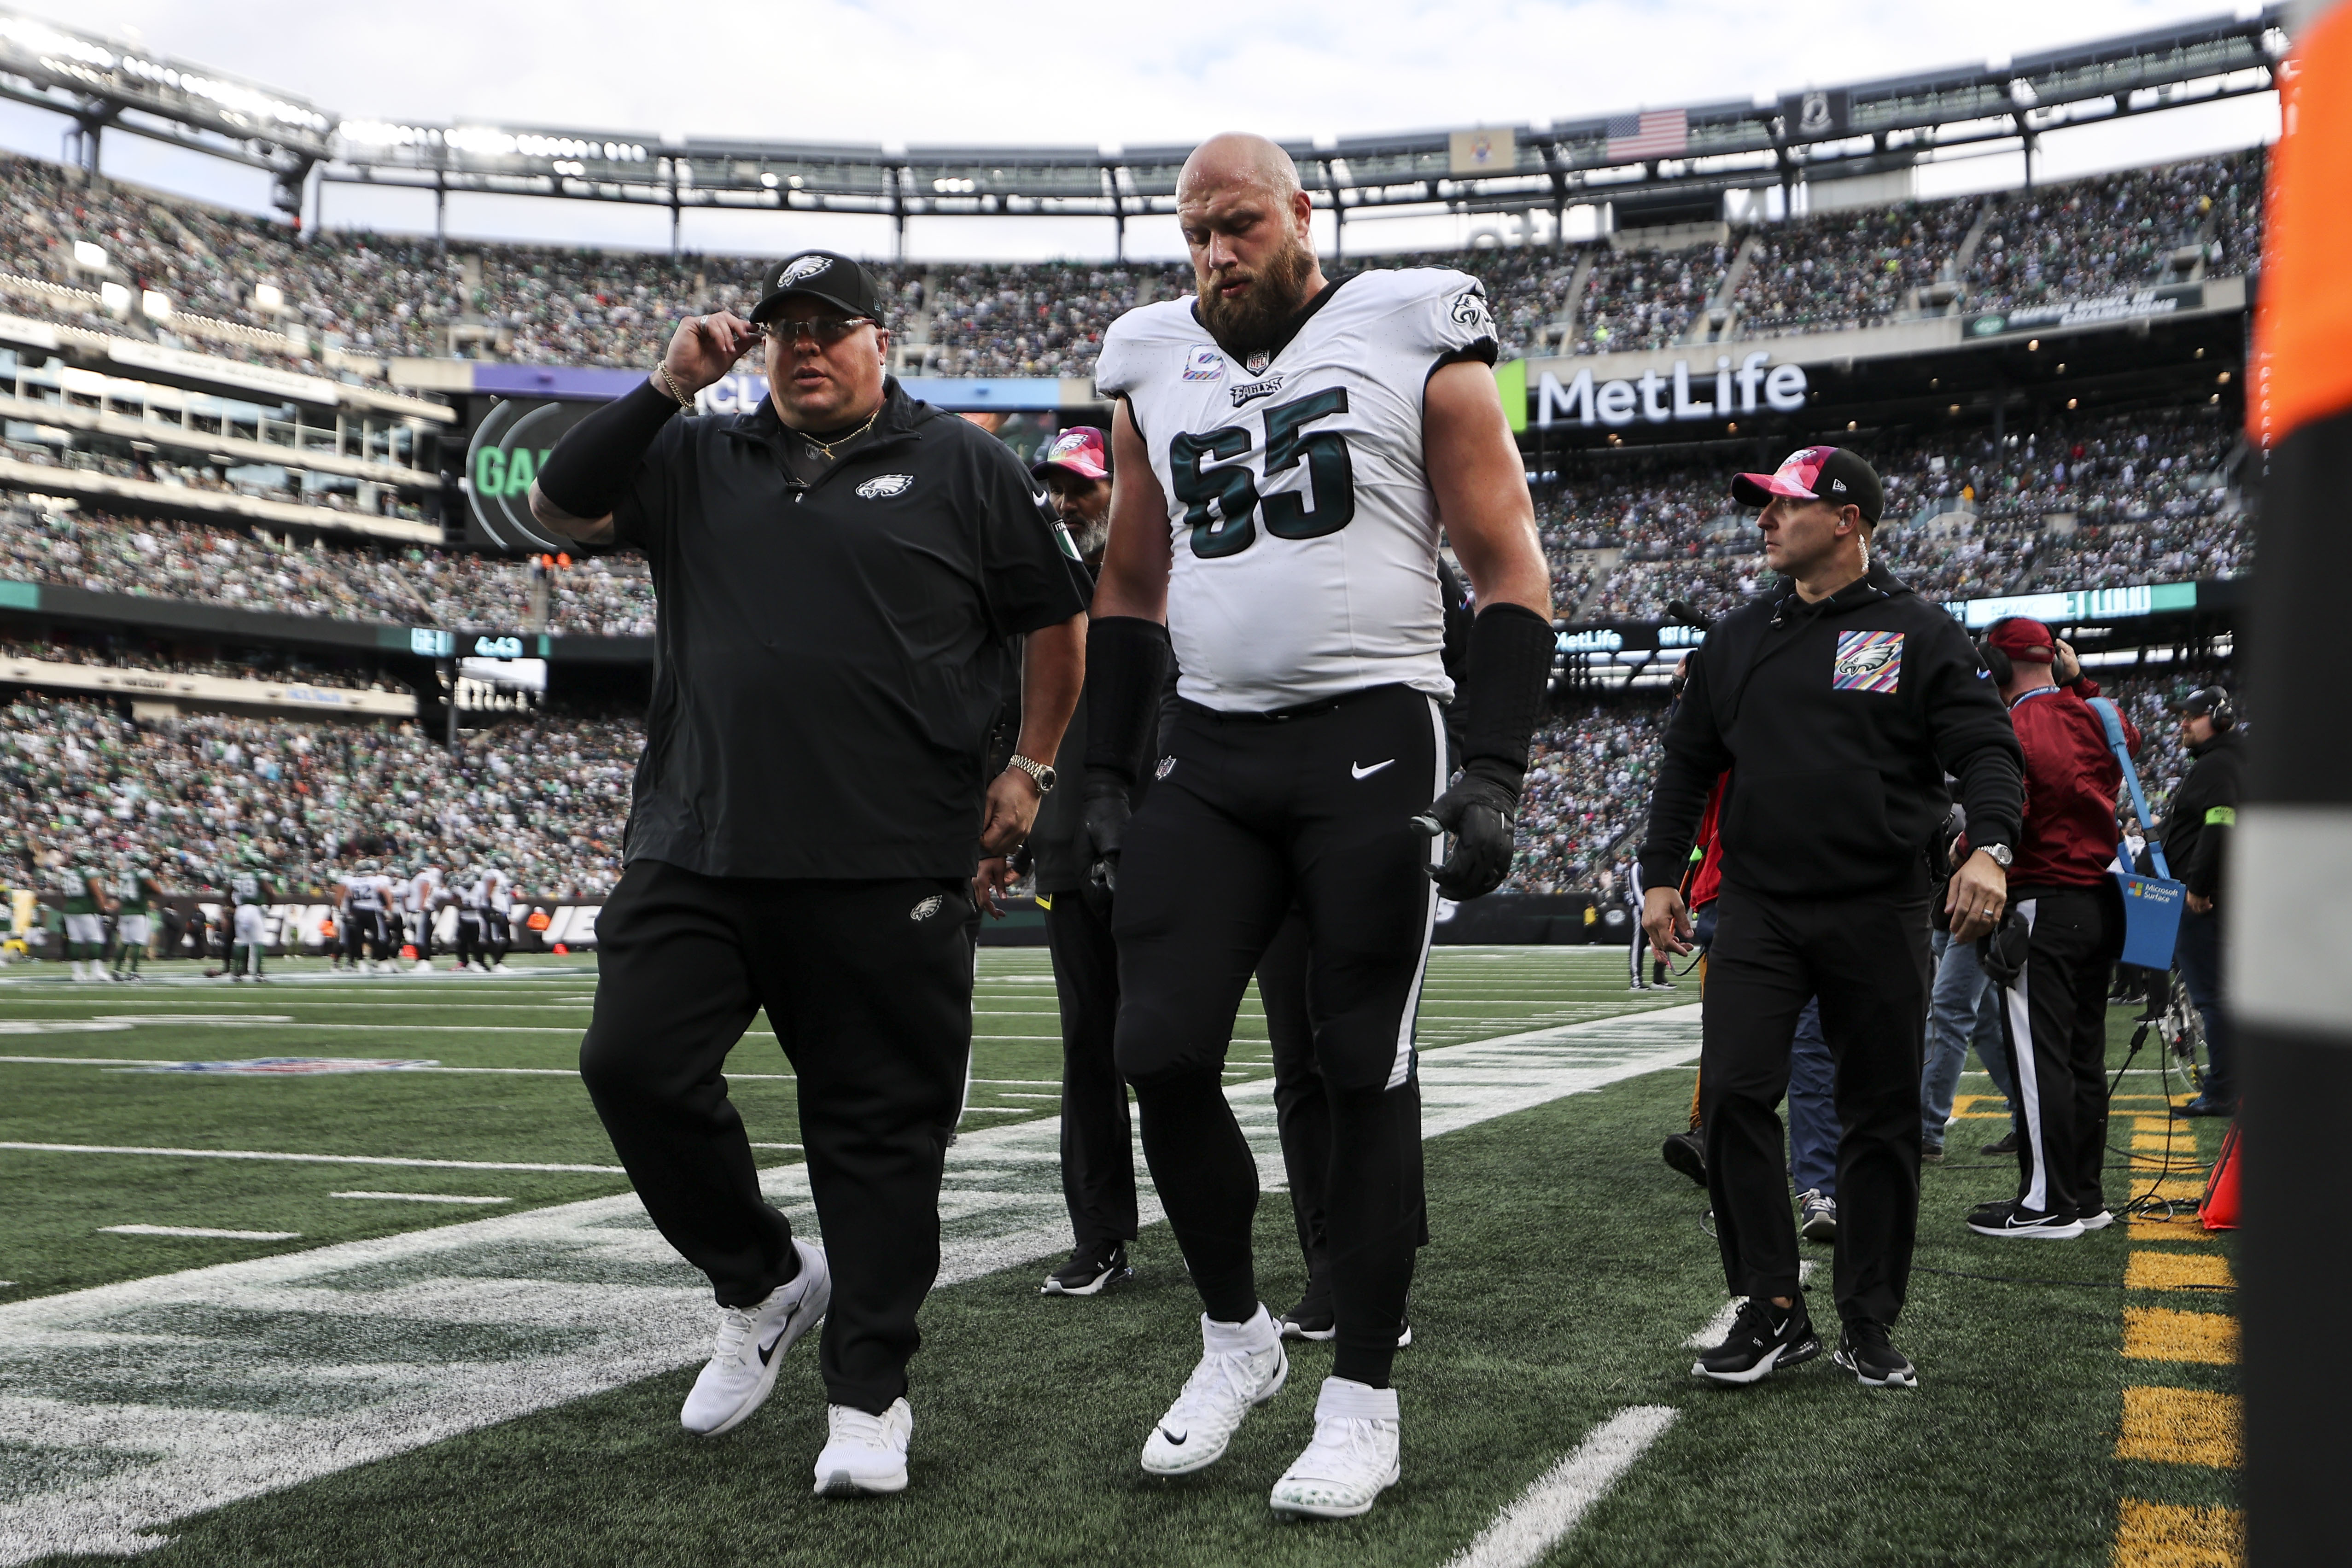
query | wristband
[1127, 664]
[1511, 651]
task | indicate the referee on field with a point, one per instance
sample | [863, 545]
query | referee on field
[1835, 706]
[847, 581]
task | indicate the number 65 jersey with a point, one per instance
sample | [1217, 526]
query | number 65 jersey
[1303, 527]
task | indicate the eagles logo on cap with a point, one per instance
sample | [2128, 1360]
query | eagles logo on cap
[802, 270]
[827, 276]
[1813, 474]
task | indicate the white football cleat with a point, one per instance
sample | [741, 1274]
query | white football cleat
[752, 1345]
[863, 1455]
[1352, 1459]
[1242, 1367]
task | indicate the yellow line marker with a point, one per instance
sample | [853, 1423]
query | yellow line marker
[2159, 1333]
[2156, 1143]
[2180, 1426]
[2177, 1272]
[2181, 1228]
[2159, 1535]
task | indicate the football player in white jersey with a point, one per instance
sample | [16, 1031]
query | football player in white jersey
[468, 889]
[367, 900]
[498, 901]
[422, 901]
[1285, 448]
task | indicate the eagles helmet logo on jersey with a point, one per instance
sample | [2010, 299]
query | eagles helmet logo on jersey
[1470, 310]
[882, 486]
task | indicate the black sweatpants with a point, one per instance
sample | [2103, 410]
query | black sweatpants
[2054, 1025]
[1315, 808]
[1866, 958]
[1097, 1138]
[469, 946]
[868, 986]
[366, 933]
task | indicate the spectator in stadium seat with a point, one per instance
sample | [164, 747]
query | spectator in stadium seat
[847, 579]
[1838, 704]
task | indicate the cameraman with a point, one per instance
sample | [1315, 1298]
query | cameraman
[2066, 929]
[2195, 839]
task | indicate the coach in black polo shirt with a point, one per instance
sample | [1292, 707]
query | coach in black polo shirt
[848, 580]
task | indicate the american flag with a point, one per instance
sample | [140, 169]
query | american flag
[1652, 133]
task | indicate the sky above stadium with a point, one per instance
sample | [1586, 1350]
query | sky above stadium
[901, 71]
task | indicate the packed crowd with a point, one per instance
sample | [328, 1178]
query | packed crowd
[237, 285]
[272, 483]
[1588, 786]
[2096, 502]
[202, 797]
[410, 586]
[137, 653]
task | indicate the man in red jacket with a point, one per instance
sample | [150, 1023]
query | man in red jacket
[2054, 953]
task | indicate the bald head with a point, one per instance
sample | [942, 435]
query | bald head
[1236, 159]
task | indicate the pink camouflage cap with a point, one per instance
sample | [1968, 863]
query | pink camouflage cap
[1829, 474]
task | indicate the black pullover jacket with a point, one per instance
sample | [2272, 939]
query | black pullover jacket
[2204, 808]
[1837, 722]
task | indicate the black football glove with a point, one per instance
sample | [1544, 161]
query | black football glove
[2000, 952]
[1478, 811]
[1102, 823]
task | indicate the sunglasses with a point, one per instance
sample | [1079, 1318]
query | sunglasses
[824, 332]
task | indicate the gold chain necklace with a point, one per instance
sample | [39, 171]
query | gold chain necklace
[823, 449]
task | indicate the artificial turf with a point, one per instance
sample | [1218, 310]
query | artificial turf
[1566, 1270]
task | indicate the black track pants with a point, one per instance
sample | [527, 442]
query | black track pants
[868, 986]
[469, 936]
[1313, 810]
[2053, 1026]
[1866, 958]
[1097, 1137]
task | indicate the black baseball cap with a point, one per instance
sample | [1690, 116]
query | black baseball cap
[2203, 700]
[820, 274]
[1829, 474]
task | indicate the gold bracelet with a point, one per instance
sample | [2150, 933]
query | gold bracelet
[669, 389]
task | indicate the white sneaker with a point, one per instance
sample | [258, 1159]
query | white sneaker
[422, 967]
[1352, 1459]
[1242, 1367]
[863, 1455]
[500, 967]
[752, 1345]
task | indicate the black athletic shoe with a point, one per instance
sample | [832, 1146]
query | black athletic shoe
[2006, 1146]
[1931, 1154]
[1312, 1317]
[2205, 1106]
[2009, 1218]
[1093, 1266]
[1763, 1338]
[1863, 1350]
[1688, 1155]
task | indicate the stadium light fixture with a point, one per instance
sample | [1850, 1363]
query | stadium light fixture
[155, 305]
[269, 296]
[115, 297]
[2223, 378]
[89, 256]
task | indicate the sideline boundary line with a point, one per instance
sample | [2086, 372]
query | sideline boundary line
[1560, 1498]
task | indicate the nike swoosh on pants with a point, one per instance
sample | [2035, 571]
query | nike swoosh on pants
[1367, 772]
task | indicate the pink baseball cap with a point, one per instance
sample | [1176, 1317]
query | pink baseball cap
[1829, 474]
[1078, 449]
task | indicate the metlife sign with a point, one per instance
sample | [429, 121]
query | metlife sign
[1656, 396]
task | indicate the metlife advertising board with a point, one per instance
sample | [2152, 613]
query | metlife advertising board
[1714, 387]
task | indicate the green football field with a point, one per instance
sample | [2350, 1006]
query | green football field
[338, 1271]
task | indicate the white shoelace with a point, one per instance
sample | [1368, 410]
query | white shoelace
[863, 1427]
[1344, 1448]
[735, 1326]
[1219, 1387]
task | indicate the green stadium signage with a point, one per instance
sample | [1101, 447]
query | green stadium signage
[508, 451]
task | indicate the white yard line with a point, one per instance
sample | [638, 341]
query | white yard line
[420, 1197]
[1522, 1533]
[202, 1231]
[612, 1301]
[305, 1159]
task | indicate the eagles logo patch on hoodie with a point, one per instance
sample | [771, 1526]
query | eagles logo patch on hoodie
[1867, 662]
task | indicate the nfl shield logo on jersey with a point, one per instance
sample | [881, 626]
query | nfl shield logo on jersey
[1257, 362]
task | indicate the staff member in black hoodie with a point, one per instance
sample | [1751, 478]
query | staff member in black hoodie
[1836, 704]
[2196, 835]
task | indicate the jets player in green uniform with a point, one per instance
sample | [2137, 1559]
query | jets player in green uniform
[249, 892]
[137, 896]
[85, 912]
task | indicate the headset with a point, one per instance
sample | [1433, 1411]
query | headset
[1995, 661]
[2222, 711]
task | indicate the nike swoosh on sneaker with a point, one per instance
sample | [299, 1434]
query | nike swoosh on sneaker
[1362, 772]
[1174, 1441]
[768, 1351]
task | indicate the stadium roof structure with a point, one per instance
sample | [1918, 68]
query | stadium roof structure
[1688, 151]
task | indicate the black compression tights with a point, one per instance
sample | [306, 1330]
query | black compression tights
[1207, 1178]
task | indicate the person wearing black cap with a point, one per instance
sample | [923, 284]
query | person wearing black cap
[1831, 708]
[1097, 1137]
[846, 580]
[2197, 829]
